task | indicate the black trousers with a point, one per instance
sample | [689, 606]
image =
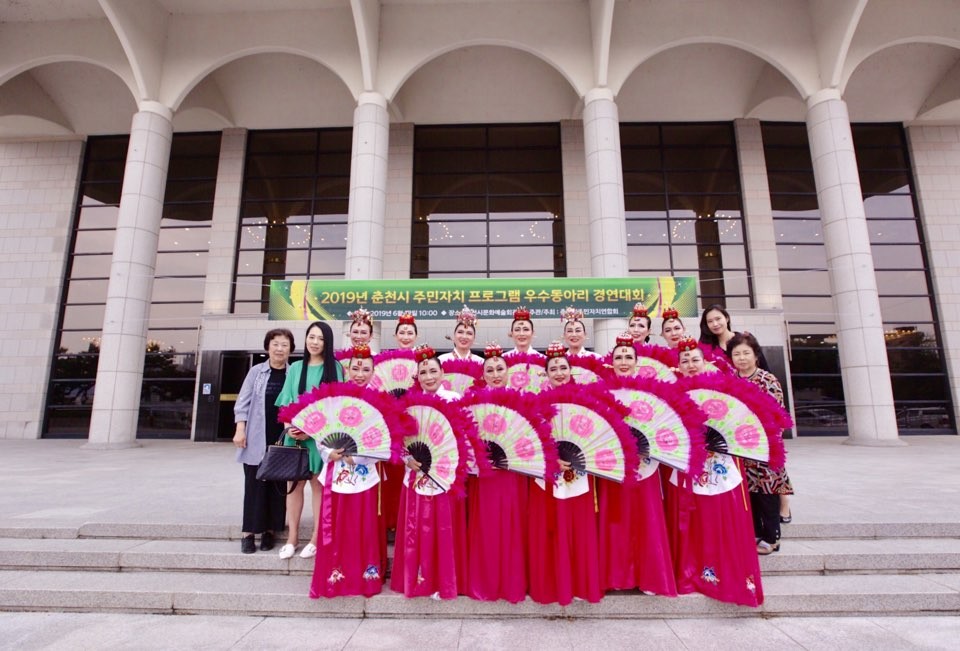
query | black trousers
[264, 502]
[766, 516]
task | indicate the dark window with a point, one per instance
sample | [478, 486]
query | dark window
[914, 353]
[487, 202]
[293, 215]
[683, 207]
[166, 401]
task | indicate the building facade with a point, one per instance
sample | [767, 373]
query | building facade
[162, 160]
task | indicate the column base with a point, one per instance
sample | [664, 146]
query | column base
[875, 443]
[119, 445]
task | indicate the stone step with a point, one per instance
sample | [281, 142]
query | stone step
[185, 531]
[265, 595]
[800, 556]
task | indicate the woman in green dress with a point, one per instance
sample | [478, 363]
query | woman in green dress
[318, 366]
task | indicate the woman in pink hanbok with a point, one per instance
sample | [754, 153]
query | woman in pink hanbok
[562, 550]
[634, 547]
[430, 548]
[715, 553]
[497, 515]
[352, 545]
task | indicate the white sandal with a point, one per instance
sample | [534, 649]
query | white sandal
[287, 551]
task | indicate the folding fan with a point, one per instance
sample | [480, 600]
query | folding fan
[525, 372]
[394, 371]
[590, 432]
[586, 369]
[515, 431]
[667, 424]
[439, 440]
[461, 374]
[343, 355]
[745, 420]
[343, 415]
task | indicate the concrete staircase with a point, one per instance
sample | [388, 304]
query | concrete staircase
[824, 569]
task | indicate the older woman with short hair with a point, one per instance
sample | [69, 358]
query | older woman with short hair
[255, 413]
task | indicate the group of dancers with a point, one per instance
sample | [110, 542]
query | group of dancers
[557, 475]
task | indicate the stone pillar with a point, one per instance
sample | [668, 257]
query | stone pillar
[935, 152]
[605, 204]
[116, 402]
[368, 188]
[758, 216]
[867, 390]
[223, 229]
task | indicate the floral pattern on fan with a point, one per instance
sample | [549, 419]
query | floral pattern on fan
[344, 416]
[438, 441]
[515, 431]
[394, 371]
[744, 420]
[667, 423]
[525, 372]
[460, 375]
[590, 432]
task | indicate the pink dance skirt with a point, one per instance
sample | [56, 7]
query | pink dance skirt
[719, 555]
[424, 560]
[497, 536]
[562, 553]
[351, 545]
[634, 548]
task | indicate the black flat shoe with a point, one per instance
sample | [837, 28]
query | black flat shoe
[266, 541]
[786, 519]
[248, 545]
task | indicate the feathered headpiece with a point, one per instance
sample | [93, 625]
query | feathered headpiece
[423, 352]
[406, 319]
[687, 343]
[639, 310]
[570, 314]
[521, 314]
[670, 313]
[361, 315]
[361, 351]
[556, 349]
[467, 317]
[493, 349]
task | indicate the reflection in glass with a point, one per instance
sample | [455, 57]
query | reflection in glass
[916, 362]
[178, 286]
[487, 200]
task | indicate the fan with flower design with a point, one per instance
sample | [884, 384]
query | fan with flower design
[394, 371]
[667, 424]
[590, 432]
[345, 416]
[741, 419]
[525, 372]
[586, 369]
[516, 431]
[461, 374]
[439, 442]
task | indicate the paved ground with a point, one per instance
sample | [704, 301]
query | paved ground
[59, 484]
[102, 632]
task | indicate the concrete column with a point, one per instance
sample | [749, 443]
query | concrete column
[863, 355]
[223, 229]
[935, 152]
[116, 402]
[758, 216]
[605, 204]
[368, 188]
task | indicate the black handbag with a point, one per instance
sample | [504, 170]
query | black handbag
[283, 463]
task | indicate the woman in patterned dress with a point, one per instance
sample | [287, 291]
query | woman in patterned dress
[766, 486]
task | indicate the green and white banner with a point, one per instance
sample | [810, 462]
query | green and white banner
[491, 298]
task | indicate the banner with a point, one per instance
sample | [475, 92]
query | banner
[490, 298]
